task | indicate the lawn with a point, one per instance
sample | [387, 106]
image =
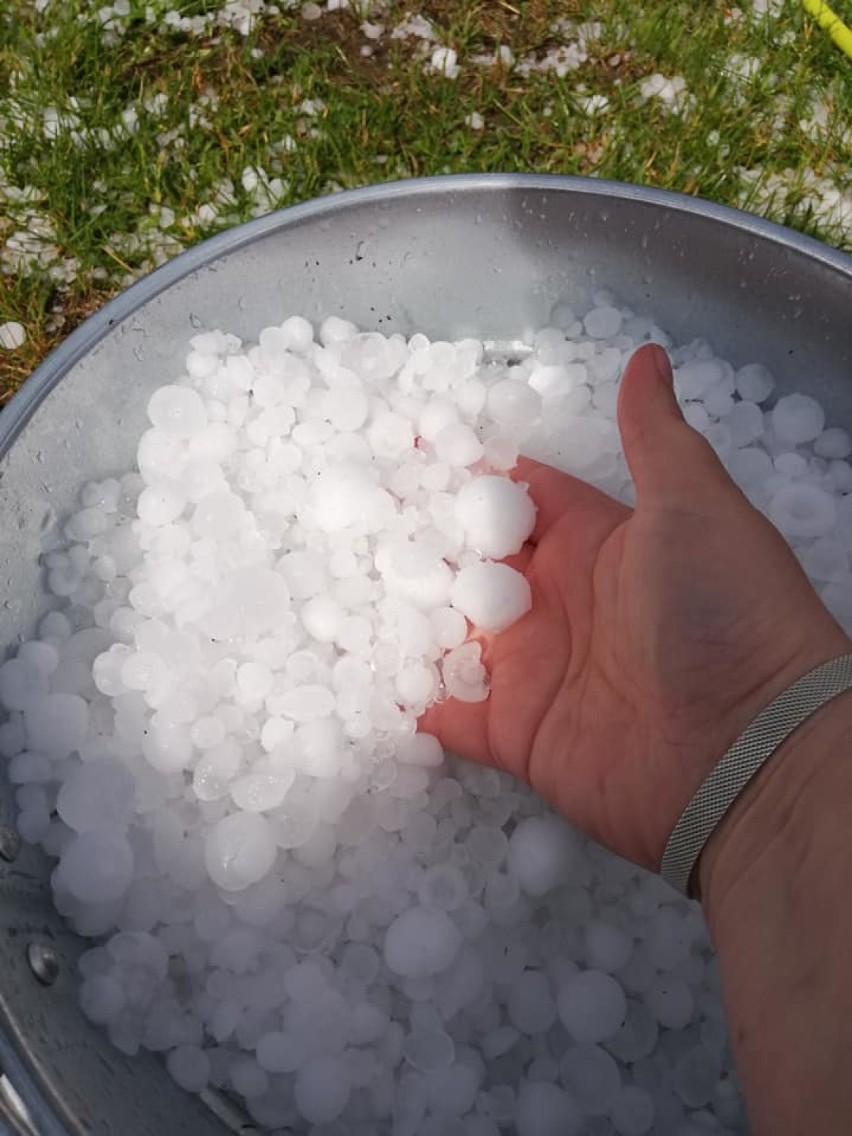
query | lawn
[130, 131]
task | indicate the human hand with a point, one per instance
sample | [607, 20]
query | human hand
[655, 635]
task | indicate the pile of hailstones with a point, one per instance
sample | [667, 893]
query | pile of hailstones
[297, 899]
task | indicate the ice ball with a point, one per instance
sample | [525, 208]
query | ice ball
[492, 596]
[56, 724]
[591, 1006]
[421, 942]
[542, 851]
[797, 418]
[496, 514]
[544, 1109]
[96, 866]
[240, 850]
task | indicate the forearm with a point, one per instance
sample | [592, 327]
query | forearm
[774, 885]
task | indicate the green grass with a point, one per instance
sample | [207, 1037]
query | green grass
[100, 196]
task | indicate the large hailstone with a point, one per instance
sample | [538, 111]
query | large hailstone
[492, 596]
[496, 514]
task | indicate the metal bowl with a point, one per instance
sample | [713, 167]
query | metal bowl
[486, 255]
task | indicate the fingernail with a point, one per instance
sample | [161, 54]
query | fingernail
[662, 364]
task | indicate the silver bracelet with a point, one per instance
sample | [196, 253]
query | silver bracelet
[743, 760]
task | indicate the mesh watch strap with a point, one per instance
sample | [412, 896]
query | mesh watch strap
[750, 751]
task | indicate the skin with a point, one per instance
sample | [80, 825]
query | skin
[656, 635]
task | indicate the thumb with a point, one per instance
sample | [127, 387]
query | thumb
[669, 461]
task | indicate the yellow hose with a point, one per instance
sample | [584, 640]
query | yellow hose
[826, 18]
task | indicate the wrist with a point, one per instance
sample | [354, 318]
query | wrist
[789, 817]
[771, 878]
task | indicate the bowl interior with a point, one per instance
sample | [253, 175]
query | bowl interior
[485, 256]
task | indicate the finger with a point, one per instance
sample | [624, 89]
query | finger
[557, 494]
[461, 727]
[669, 461]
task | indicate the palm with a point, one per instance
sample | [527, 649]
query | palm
[652, 640]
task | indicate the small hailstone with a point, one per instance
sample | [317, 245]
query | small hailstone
[719, 402]
[797, 418]
[297, 334]
[514, 403]
[12, 335]
[189, 1067]
[19, 686]
[592, 1077]
[321, 1089]
[280, 1052]
[102, 998]
[444, 61]
[541, 855]
[342, 496]
[633, 1113]
[696, 1075]
[496, 514]
[434, 417]
[429, 1049]
[457, 445]
[322, 618]
[695, 377]
[487, 845]
[413, 574]
[791, 465]
[452, 1092]
[320, 745]
[543, 1109]
[56, 724]
[160, 504]
[745, 421]
[591, 1006]
[390, 435]
[416, 685]
[248, 1078]
[261, 792]
[443, 888]
[421, 749]
[750, 467]
[177, 411]
[833, 443]
[239, 851]
[671, 1002]
[607, 947]
[96, 866]
[421, 942]
[754, 382]
[96, 793]
[801, 510]
[464, 676]
[668, 939]
[492, 596]
[531, 1006]
[334, 330]
[254, 680]
[307, 702]
[603, 322]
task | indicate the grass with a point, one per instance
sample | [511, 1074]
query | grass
[766, 123]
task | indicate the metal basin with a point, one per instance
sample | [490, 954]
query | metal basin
[483, 255]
